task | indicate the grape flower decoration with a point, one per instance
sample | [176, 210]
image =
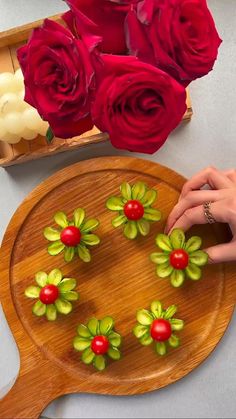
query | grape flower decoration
[97, 340]
[134, 208]
[53, 293]
[72, 237]
[158, 325]
[179, 258]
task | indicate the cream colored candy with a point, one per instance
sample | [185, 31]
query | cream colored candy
[14, 123]
[18, 119]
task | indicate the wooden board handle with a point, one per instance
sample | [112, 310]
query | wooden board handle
[18, 404]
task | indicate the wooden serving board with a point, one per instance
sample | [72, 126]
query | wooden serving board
[10, 41]
[119, 280]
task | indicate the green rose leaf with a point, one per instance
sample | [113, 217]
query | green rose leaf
[71, 296]
[90, 239]
[152, 214]
[138, 190]
[114, 353]
[143, 227]
[90, 225]
[164, 270]
[83, 331]
[156, 308]
[99, 362]
[51, 234]
[119, 220]
[146, 340]
[139, 330]
[159, 258]
[49, 135]
[199, 258]
[144, 317]
[177, 324]
[93, 326]
[78, 217]
[51, 312]
[63, 306]
[32, 292]
[149, 198]
[60, 218]
[177, 278]
[55, 277]
[80, 344]
[106, 325]
[193, 244]
[88, 356]
[163, 241]
[67, 284]
[84, 253]
[114, 339]
[130, 230]
[174, 341]
[161, 348]
[55, 248]
[125, 189]
[69, 254]
[170, 312]
[193, 272]
[39, 309]
[177, 238]
[115, 203]
[41, 279]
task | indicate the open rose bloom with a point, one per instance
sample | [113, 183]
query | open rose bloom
[122, 65]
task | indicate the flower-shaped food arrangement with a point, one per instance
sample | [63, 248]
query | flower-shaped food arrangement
[134, 208]
[72, 237]
[158, 325]
[97, 340]
[179, 258]
[53, 293]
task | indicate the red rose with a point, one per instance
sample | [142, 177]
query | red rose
[109, 16]
[137, 104]
[59, 78]
[178, 36]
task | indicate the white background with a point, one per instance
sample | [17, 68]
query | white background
[210, 139]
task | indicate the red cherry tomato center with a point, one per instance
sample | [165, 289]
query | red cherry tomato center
[71, 236]
[161, 330]
[133, 210]
[179, 259]
[100, 345]
[49, 294]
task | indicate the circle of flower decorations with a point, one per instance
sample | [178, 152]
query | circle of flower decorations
[72, 237]
[179, 258]
[134, 208]
[96, 341]
[53, 293]
[158, 325]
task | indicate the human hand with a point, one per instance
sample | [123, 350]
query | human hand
[222, 195]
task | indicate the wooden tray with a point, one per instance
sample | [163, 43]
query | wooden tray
[29, 150]
[119, 280]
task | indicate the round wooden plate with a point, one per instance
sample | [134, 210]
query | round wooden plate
[119, 280]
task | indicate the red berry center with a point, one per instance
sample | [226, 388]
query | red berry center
[100, 345]
[71, 236]
[49, 294]
[179, 259]
[161, 330]
[133, 210]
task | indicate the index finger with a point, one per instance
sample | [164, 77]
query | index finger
[210, 176]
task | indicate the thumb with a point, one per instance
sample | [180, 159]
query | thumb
[222, 252]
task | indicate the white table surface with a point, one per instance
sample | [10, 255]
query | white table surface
[210, 139]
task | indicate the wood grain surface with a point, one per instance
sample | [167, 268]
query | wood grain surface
[119, 280]
[10, 41]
